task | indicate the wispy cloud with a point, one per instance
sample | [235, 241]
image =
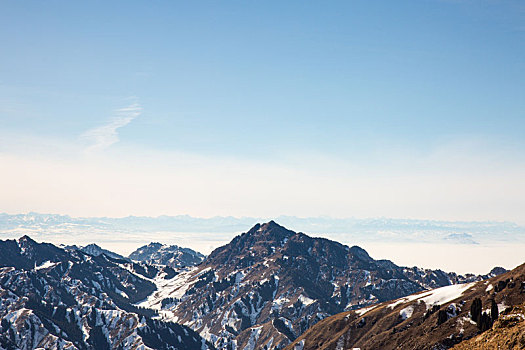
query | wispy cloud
[106, 135]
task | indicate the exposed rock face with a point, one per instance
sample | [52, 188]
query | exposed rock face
[436, 319]
[270, 284]
[497, 271]
[53, 298]
[170, 255]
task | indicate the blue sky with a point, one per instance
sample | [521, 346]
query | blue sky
[330, 94]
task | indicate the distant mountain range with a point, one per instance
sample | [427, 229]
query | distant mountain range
[263, 290]
[375, 229]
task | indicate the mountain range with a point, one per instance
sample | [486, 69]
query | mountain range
[270, 284]
[372, 229]
[268, 288]
[54, 298]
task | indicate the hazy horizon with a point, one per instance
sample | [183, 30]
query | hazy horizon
[461, 247]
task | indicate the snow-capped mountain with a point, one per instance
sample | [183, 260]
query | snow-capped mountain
[270, 284]
[52, 298]
[170, 255]
[487, 314]
[260, 291]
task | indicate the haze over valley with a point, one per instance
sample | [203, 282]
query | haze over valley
[453, 246]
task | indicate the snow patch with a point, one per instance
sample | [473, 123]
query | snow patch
[279, 302]
[340, 343]
[299, 346]
[501, 307]
[305, 300]
[121, 293]
[254, 336]
[239, 276]
[364, 310]
[407, 312]
[444, 295]
[45, 265]
[172, 288]
[436, 296]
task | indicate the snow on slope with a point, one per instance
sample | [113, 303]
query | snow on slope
[45, 265]
[175, 287]
[436, 296]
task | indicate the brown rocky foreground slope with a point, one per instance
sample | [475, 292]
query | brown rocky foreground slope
[437, 319]
[507, 333]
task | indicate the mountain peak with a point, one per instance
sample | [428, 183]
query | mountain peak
[498, 270]
[171, 255]
[26, 239]
[271, 224]
[270, 228]
[93, 246]
[256, 244]
[96, 250]
[360, 253]
[26, 244]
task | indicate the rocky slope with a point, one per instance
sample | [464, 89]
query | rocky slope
[170, 255]
[54, 298]
[508, 333]
[436, 319]
[270, 284]
[95, 250]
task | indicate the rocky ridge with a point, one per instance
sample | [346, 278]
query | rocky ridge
[269, 285]
[54, 298]
[170, 255]
[95, 250]
[478, 315]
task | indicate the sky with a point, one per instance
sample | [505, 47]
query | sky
[408, 109]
